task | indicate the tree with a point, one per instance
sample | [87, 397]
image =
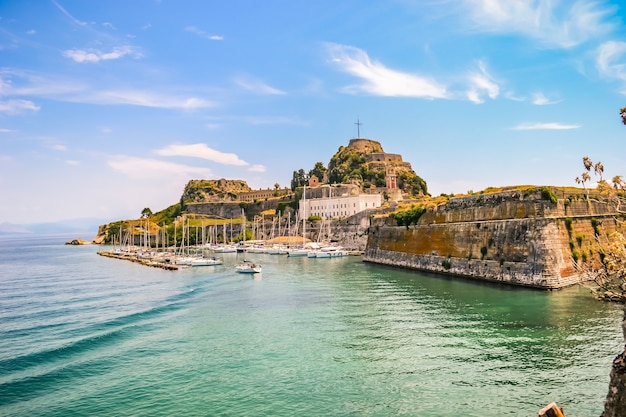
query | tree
[318, 170]
[299, 179]
[145, 213]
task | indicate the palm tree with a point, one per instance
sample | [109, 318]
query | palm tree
[618, 182]
[598, 168]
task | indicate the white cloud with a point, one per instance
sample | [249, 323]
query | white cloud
[153, 169]
[553, 23]
[257, 168]
[81, 56]
[544, 126]
[201, 150]
[203, 34]
[31, 32]
[480, 83]
[138, 98]
[72, 162]
[76, 92]
[17, 106]
[540, 99]
[58, 147]
[6, 130]
[257, 86]
[611, 60]
[380, 80]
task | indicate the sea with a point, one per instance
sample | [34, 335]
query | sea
[86, 335]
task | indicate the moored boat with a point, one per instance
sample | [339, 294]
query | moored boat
[247, 267]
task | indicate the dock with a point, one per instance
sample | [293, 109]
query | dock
[141, 258]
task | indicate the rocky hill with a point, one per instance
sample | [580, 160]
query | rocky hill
[364, 162]
[221, 190]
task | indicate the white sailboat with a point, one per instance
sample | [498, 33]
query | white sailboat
[246, 267]
[301, 251]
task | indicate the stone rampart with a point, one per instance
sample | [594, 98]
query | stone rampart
[504, 238]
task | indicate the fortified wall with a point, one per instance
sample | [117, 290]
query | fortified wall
[504, 237]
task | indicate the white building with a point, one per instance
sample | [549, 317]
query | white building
[336, 202]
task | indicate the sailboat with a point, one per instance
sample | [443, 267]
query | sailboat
[246, 267]
[301, 251]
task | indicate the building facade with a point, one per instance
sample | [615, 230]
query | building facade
[336, 202]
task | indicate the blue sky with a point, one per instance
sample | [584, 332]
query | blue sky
[107, 107]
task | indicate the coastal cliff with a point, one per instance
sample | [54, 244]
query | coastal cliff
[533, 238]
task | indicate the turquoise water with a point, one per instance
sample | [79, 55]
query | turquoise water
[82, 334]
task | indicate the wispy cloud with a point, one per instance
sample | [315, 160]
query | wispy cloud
[152, 169]
[257, 168]
[82, 56]
[257, 86]
[544, 126]
[611, 61]
[481, 83]
[20, 84]
[13, 107]
[203, 34]
[2, 130]
[380, 80]
[72, 162]
[539, 99]
[67, 14]
[201, 150]
[553, 23]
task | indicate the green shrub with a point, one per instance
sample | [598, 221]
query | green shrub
[446, 264]
[579, 239]
[483, 251]
[547, 194]
[568, 223]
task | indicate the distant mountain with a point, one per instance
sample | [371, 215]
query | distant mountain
[88, 226]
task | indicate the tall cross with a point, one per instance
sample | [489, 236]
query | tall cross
[358, 127]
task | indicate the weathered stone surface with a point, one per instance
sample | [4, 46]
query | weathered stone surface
[503, 237]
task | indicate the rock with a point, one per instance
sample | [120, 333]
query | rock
[78, 241]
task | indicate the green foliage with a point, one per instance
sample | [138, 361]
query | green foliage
[575, 256]
[584, 256]
[314, 218]
[595, 223]
[579, 239]
[547, 194]
[483, 252]
[491, 242]
[243, 205]
[318, 170]
[412, 184]
[408, 217]
[446, 264]
[145, 213]
[167, 216]
[571, 245]
[299, 179]
[568, 223]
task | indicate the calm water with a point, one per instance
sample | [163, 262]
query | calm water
[85, 335]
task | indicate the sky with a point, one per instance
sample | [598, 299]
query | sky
[109, 107]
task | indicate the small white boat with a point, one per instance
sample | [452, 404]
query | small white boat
[247, 267]
[201, 261]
